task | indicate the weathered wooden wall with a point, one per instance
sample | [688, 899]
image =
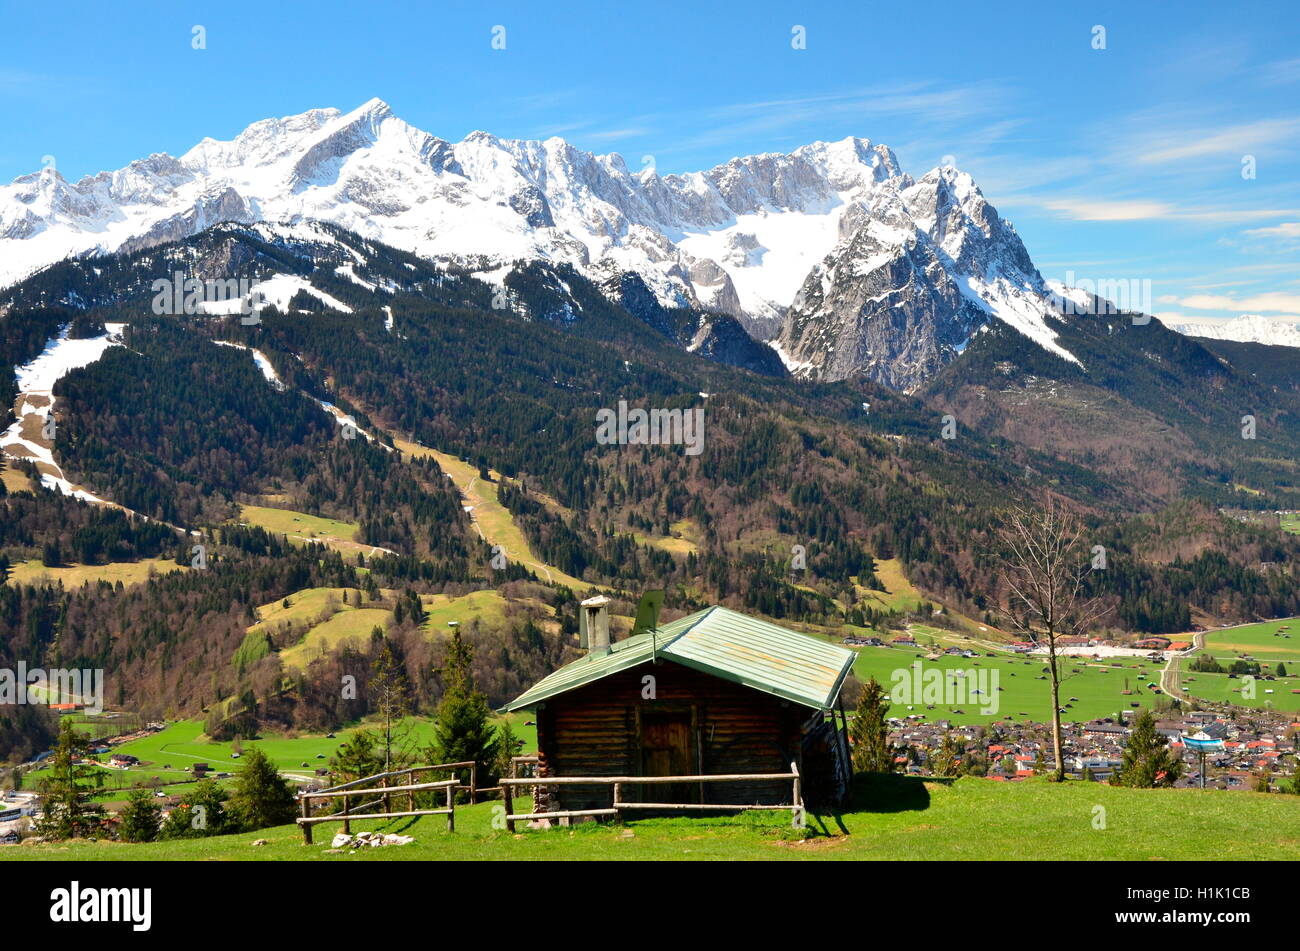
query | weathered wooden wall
[593, 731]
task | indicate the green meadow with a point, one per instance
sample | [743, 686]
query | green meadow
[1269, 643]
[890, 819]
[1098, 685]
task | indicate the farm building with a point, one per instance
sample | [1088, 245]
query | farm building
[714, 693]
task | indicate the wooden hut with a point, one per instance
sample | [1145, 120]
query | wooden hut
[714, 693]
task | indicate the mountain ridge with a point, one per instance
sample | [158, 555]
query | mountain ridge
[484, 197]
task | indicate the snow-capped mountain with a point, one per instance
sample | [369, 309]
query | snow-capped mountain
[1248, 328]
[920, 268]
[738, 238]
[852, 265]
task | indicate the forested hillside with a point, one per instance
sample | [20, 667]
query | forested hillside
[799, 492]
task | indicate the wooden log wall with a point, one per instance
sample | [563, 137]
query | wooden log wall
[595, 731]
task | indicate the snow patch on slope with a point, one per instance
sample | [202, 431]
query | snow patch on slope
[278, 290]
[35, 403]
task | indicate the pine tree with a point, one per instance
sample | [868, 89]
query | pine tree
[462, 732]
[390, 692]
[1148, 762]
[508, 746]
[142, 817]
[69, 810]
[870, 732]
[262, 797]
[356, 759]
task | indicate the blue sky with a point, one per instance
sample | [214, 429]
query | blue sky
[1123, 163]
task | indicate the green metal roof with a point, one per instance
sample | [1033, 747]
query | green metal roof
[724, 643]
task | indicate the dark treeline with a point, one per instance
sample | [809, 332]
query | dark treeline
[32, 522]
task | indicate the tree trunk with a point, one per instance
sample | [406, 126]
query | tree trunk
[1059, 773]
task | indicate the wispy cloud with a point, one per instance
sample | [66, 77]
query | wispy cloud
[1280, 72]
[940, 106]
[1090, 209]
[14, 80]
[1234, 140]
[609, 135]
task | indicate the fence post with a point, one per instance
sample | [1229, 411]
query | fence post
[797, 793]
[507, 793]
[618, 797]
[306, 826]
[451, 806]
[473, 783]
[347, 823]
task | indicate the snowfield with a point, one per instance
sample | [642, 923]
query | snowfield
[36, 400]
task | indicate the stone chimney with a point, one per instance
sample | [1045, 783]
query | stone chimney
[596, 615]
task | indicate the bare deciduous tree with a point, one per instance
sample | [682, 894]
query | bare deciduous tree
[1045, 570]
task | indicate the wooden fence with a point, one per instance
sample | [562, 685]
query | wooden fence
[620, 805]
[382, 788]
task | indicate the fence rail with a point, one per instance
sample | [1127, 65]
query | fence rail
[796, 805]
[383, 790]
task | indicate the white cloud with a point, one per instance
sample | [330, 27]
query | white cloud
[1287, 229]
[1268, 302]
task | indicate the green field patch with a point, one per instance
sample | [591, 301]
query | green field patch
[351, 626]
[488, 607]
[491, 519]
[306, 606]
[15, 480]
[1279, 638]
[318, 620]
[1280, 694]
[682, 540]
[304, 529]
[34, 572]
[897, 593]
[1098, 685]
